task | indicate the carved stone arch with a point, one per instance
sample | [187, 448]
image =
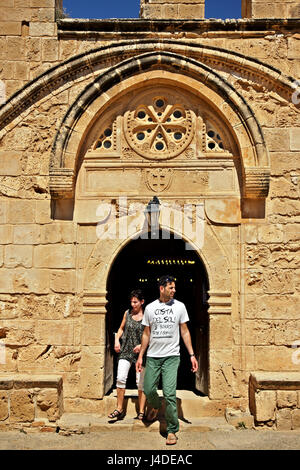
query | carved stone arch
[86, 63]
[239, 115]
[99, 265]
[107, 249]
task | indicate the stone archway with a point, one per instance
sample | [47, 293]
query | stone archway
[100, 262]
[139, 265]
[215, 255]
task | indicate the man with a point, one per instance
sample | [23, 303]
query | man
[163, 319]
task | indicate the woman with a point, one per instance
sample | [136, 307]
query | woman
[131, 330]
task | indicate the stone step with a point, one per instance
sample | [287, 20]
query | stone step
[189, 404]
[78, 423]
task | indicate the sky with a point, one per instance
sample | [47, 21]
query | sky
[130, 8]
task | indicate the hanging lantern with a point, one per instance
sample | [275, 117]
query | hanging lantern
[152, 213]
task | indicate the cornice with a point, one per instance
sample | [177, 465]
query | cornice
[197, 26]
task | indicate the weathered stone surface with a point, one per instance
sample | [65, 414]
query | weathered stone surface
[237, 136]
[275, 380]
[21, 212]
[172, 9]
[48, 404]
[26, 234]
[20, 255]
[91, 384]
[284, 420]
[21, 406]
[295, 139]
[4, 412]
[239, 419]
[55, 332]
[286, 399]
[265, 405]
[93, 330]
[63, 281]
[54, 256]
[296, 419]
[47, 307]
[18, 333]
[40, 29]
[10, 163]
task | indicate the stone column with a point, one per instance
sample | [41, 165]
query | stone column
[93, 345]
[270, 9]
[220, 345]
[172, 9]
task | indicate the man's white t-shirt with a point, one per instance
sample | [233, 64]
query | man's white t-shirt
[164, 320]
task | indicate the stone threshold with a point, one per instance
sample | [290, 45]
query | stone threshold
[78, 423]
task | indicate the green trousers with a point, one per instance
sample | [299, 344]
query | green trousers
[167, 367]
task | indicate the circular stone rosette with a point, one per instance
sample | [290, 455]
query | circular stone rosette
[159, 129]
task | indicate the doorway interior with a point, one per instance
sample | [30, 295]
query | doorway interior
[139, 266]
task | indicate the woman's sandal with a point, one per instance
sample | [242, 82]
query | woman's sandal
[171, 439]
[141, 416]
[117, 414]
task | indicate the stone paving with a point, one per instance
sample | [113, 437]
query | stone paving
[204, 435]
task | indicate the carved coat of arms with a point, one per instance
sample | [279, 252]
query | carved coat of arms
[159, 179]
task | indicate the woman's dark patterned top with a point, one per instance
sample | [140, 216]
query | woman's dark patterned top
[132, 336]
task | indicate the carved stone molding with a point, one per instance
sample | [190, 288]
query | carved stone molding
[256, 183]
[94, 302]
[219, 303]
[61, 182]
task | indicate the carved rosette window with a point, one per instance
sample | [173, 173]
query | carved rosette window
[159, 128]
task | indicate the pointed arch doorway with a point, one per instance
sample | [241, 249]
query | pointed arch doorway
[139, 265]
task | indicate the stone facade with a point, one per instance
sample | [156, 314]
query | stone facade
[274, 399]
[199, 113]
[275, 9]
[175, 9]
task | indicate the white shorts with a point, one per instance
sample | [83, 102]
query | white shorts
[122, 374]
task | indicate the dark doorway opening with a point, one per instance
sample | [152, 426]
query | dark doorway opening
[139, 265]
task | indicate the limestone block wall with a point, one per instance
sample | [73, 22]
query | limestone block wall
[172, 9]
[26, 402]
[266, 9]
[43, 259]
[274, 400]
[271, 254]
[28, 40]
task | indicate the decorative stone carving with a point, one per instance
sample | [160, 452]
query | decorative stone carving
[159, 128]
[220, 302]
[159, 179]
[257, 181]
[107, 139]
[214, 139]
[61, 182]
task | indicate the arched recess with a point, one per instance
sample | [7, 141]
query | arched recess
[131, 73]
[97, 365]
